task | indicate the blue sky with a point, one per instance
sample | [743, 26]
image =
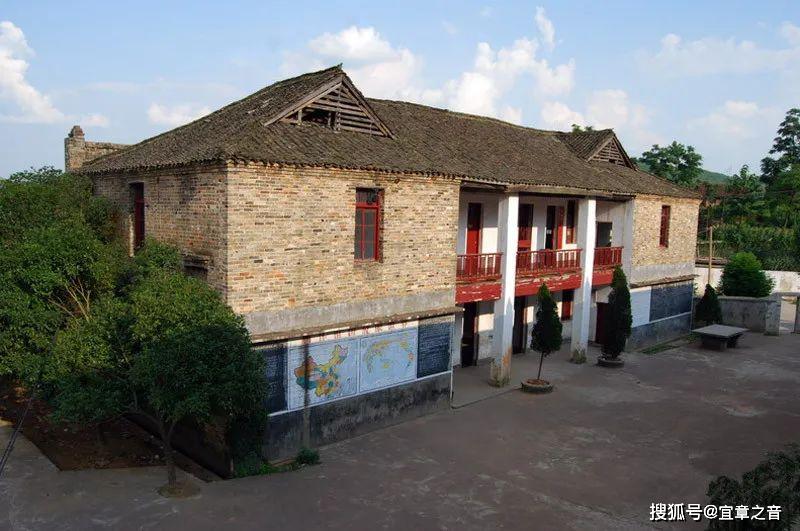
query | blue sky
[717, 75]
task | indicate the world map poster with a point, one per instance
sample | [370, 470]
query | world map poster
[387, 359]
[332, 371]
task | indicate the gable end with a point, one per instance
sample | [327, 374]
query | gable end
[340, 107]
[612, 152]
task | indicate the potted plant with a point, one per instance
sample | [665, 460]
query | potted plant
[618, 323]
[708, 310]
[546, 338]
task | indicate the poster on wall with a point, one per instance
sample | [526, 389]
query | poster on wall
[332, 371]
[275, 365]
[387, 359]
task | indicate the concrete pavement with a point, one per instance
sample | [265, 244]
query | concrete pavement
[592, 455]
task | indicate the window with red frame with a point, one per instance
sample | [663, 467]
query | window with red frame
[570, 223]
[368, 224]
[567, 297]
[663, 237]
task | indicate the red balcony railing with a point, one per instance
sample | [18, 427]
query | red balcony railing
[607, 257]
[547, 261]
[474, 267]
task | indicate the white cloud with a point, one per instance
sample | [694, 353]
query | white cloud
[546, 28]
[558, 115]
[382, 69]
[353, 43]
[95, 120]
[176, 115]
[791, 33]
[735, 120]
[29, 105]
[376, 67]
[713, 55]
[605, 109]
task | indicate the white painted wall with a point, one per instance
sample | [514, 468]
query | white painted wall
[784, 280]
[640, 306]
[489, 232]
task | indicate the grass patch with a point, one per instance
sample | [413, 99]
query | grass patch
[305, 457]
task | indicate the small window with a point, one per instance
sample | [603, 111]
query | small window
[663, 237]
[368, 224]
[567, 297]
[570, 222]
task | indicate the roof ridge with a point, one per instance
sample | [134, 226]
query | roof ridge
[225, 107]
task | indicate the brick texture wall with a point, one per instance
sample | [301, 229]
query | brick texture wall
[652, 260]
[291, 237]
[77, 151]
[185, 208]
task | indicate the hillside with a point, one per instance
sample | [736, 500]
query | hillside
[707, 176]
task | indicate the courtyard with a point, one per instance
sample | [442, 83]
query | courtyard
[592, 455]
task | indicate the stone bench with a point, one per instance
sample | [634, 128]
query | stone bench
[719, 337]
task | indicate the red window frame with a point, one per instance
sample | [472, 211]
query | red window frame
[367, 200]
[567, 298]
[570, 222]
[663, 234]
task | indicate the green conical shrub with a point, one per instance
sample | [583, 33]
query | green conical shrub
[708, 310]
[619, 316]
[744, 277]
[546, 335]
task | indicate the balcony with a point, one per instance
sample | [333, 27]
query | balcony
[548, 262]
[478, 267]
[607, 257]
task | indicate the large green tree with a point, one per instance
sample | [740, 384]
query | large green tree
[785, 148]
[679, 163]
[172, 351]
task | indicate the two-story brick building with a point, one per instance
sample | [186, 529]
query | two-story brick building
[371, 245]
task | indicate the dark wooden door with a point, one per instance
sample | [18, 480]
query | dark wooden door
[550, 228]
[474, 215]
[518, 339]
[600, 328]
[525, 224]
[469, 338]
[138, 214]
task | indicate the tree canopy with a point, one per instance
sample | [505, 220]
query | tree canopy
[679, 163]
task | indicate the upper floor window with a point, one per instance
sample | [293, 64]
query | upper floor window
[663, 237]
[570, 223]
[368, 224]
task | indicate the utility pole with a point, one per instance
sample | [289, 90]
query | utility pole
[710, 252]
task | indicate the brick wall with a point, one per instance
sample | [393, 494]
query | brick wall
[650, 260]
[291, 237]
[77, 151]
[185, 208]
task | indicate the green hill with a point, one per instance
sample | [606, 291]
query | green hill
[707, 176]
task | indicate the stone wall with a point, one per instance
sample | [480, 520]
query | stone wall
[756, 314]
[77, 151]
[650, 260]
[291, 238]
[185, 208]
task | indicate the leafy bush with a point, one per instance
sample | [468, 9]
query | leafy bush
[777, 248]
[708, 309]
[307, 456]
[546, 334]
[619, 316]
[744, 277]
[774, 481]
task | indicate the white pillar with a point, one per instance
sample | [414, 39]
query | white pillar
[502, 343]
[587, 229]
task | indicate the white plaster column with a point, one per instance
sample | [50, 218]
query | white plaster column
[502, 342]
[587, 229]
